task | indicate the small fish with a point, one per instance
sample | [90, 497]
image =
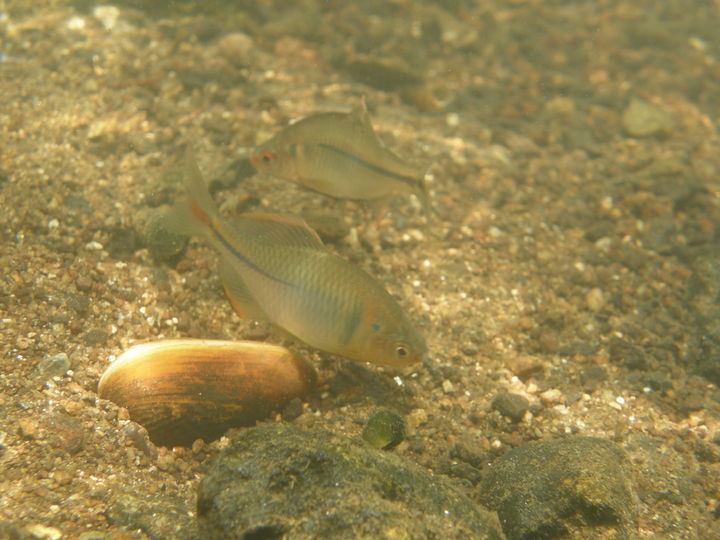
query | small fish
[275, 268]
[340, 155]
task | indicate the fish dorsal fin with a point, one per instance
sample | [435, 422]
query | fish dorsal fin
[279, 229]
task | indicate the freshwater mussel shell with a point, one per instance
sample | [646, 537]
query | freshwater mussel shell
[181, 390]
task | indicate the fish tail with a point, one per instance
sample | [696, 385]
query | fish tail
[195, 213]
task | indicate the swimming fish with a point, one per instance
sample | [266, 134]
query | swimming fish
[275, 268]
[338, 154]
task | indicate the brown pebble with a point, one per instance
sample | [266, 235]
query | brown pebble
[524, 366]
[28, 428]
[83, 283]
[236, 48]
[67, 433]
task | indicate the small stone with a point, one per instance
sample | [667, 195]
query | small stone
[66, 433]
[514, 406]
[384, 429]
[161, 240]
[236, 48]
[292, 410]
[552, 396]
[96, 336]
[524, 366]
[83, 283]
[28, 428]
[42, 532]
[78, 303]
[643, 119]
[448, 387]
[595, 300]
[592, 377]
[53, 366]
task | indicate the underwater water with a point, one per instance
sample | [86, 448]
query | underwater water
[485, 234]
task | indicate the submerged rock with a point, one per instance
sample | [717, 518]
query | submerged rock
[643, 119]
[577, 488]
[278, 481]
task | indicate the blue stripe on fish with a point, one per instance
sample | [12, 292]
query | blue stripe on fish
[405, 179]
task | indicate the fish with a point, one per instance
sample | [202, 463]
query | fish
[274, 267]
[339, 154]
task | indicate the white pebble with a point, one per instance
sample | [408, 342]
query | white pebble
[94, 246]
[595, 300]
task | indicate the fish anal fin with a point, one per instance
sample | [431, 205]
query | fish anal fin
[279, 229]
[238, 294]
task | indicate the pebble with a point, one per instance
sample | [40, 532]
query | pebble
[524, 366]
[28, 428]
[78, 303]
[96, 336]
[552, 396]
[42, 532]
[513, 406]
[595, 300]
[83, 283]
[236, 48]
[592, 377]
[643, 119]
[163, 243]
[384, 429]
[53, 366]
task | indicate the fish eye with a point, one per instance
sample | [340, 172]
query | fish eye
[401, 351]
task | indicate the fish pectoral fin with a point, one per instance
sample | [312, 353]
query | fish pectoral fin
[279, 229]
[237, 292]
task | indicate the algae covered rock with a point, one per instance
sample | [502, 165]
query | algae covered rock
[282, 482]
[572, 488]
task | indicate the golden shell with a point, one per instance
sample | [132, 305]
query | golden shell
[181, 390]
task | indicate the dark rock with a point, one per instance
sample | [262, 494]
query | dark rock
[96, 336]
[511, 405]
[578, 487]
[621, 351]
[384, 429]
[123, 242]
[278, 481]
[592, 377]
[292, 410]
[163, 242]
